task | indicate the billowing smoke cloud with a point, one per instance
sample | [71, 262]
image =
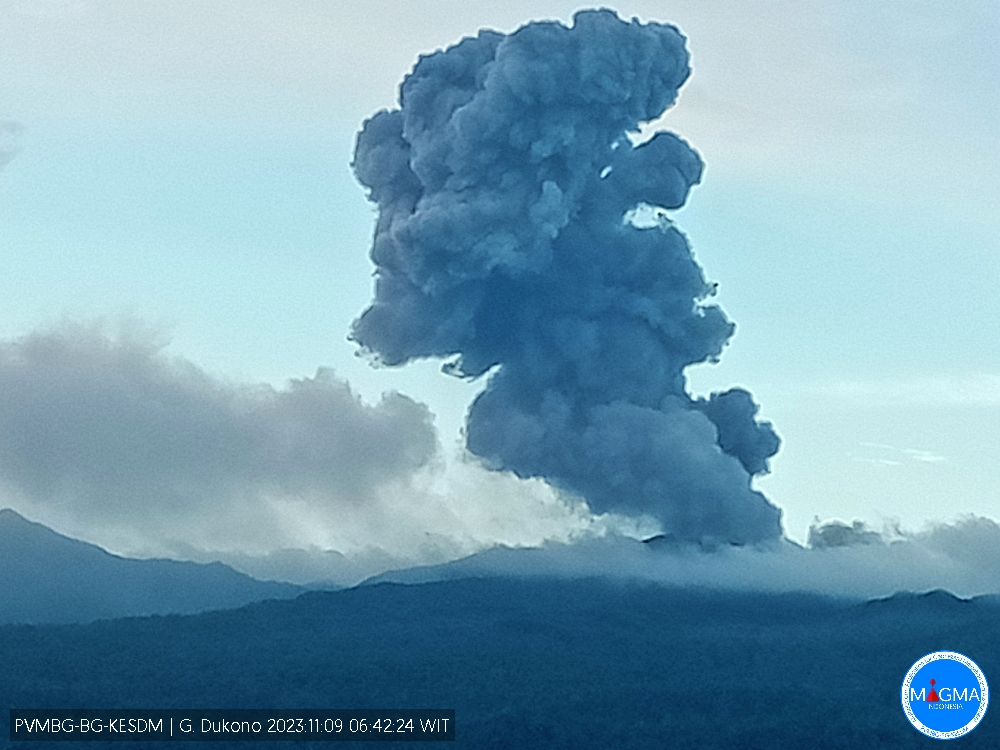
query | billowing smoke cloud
[837, 534]
[10, 137]
[109, 433]
[503, 184]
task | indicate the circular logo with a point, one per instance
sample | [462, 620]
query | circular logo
[945, 695]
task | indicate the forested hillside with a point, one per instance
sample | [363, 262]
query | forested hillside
[531, 663]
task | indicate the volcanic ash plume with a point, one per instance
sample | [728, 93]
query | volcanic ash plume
[506, 238]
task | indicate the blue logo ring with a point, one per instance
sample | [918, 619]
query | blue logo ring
[939, 714]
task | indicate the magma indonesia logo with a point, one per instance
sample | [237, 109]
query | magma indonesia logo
[945, 695]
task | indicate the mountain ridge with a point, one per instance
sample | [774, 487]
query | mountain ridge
[46, 577]
[528, 663]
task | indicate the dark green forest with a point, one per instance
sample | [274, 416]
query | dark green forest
[536, 663]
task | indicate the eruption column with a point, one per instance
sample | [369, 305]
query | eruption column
[504, 183]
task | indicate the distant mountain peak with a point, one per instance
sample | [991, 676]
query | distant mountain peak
[12, 521]
[937, 597]
[48, 577]
[9, 516]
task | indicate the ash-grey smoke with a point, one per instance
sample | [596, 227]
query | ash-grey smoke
[838, 534]
[108, 433]
[503, 183]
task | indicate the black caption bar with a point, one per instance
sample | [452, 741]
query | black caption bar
[131, 725]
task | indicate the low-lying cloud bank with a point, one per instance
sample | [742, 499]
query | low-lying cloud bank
[961, 557]
[105, 437]
[109, 431]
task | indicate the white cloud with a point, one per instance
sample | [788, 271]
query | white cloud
[961, 557]
[106, 438]
[883, 452]
[109, 432]
[879, 461]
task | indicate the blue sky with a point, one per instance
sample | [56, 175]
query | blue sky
[186, 168]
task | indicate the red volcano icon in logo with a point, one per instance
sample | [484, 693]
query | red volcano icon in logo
[933, 697]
